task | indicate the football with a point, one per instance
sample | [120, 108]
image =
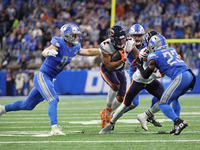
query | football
[115, 56]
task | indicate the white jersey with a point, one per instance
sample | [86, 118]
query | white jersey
[107, 47]
[137, 75]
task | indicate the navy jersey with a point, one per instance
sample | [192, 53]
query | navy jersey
[168, 61]
[130, 57]
[54, 65]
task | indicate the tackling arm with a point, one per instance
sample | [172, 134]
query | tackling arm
[148, 71]
[89, 52]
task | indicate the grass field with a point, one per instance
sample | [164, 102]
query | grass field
[79, 118]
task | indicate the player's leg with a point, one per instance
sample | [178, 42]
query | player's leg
[135, 101]
[156, 89]
[110, 77]
[31, 101]
[179, 86]
[45, 86]
[133, 90]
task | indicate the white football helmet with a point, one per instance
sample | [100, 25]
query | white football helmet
[71, 33]
[137, 32]
[157, 42]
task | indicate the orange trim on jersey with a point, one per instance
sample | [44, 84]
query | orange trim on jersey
[142, 57]
[127, 91]
[105, 78]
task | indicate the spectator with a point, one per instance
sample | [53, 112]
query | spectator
[9, 82]
[19, 84]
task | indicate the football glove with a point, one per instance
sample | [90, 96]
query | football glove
[123, 55]
[51, 52]
[139, 62]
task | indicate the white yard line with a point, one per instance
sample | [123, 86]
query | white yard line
[134, 141]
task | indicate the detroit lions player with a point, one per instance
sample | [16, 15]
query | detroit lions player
[58, 55]
[137, 33]
[169, 63]
[113, 72]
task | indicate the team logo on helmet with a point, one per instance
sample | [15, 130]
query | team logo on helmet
[112, 32]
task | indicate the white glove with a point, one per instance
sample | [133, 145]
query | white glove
[51, 52]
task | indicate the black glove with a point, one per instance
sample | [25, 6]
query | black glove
[139, 63]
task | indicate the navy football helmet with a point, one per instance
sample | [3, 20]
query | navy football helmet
[117, 36]
[148, 35]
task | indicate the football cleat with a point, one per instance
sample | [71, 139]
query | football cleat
[56, 130]
[154, 121]
[172, 130]
[142, 118]
[108, 114]
[2, 110]
[179, 125]
[103, 122]
[108, 128]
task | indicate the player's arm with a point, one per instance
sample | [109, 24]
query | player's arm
[50, 51]
[110, 66]
[89, 52]
[149, 70]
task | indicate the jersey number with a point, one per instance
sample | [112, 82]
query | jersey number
[62, 63]
[171, 54]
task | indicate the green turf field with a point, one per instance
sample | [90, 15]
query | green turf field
[80, 119]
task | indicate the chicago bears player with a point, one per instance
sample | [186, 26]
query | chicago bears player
[169, 63]
[113, 72]
[139, 83]
[58, 55]
[137, 33]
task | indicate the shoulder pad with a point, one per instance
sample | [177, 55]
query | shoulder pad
[55, 42]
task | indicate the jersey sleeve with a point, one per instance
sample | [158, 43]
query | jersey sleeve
[104, 47]
[78, 48]
[152, 56]
[55, 42]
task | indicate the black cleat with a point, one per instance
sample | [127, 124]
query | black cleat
[172, 130]
[155, 122]
[179, 125]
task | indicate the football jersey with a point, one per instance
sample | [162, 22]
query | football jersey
[168, 61]
[54, 65]
[137, 75]
[107, 47]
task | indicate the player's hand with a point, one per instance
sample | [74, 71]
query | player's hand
[52, 53]
[161, 74]
[133, 63]
[123, 55]
[139, 62]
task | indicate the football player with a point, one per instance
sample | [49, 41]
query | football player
[112, 72]
[169, 63]
[137, 33]
[58, 55]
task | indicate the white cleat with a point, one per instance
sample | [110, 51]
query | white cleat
[2, 110]
[106, 129]
[56, 130]
[143, 120]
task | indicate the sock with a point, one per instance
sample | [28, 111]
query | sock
[115, 104]
[177, 107]
[168, 111]
[110, 97]
[118, 113]
[154, 109]
[52, 111]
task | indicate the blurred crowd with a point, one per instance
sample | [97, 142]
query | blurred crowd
[27, 26]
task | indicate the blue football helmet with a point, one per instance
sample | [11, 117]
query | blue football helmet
[137, 32]
[157, 42]
[117, 36]
[71, 33]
